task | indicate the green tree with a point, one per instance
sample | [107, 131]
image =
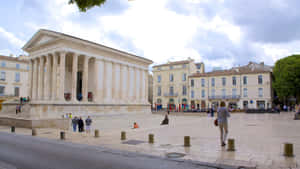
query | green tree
[84, 5]
[287, 78]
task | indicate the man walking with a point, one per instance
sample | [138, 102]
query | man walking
[80, 125]
[88, 123]
[74, 123]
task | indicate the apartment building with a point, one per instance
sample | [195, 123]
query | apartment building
[170, 83]
[13, 77]
[243, 87]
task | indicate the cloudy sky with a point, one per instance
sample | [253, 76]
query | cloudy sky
[220, 33]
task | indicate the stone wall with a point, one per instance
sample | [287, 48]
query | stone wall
[43, 123]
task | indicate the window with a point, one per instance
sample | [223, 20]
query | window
[233, 80]
[158, 91]
[234, 92]
[184, 91]
[203, 82]
[3, 64]
[224, 81]
[198, 66]
[17, 90]
[213, 92]
[18, 66]
[223, 93]
[171, 91]
[184, 77]
[158, 78]
[17, 77]
[2, 76]
[192, 82]
[260, 92]
[2, 89]
[203, 93]
[260, 79]
[192, 93]
[213, 82]
[171, 77]
[171, 67]
[245, 80]
[184, 66]
[245, 92]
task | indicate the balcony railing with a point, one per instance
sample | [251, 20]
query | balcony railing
[170, 94]
[225, 97]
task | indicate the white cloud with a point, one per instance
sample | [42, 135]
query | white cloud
[11, 38]
[5, 52]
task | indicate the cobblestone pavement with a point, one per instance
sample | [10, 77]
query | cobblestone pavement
[259, 138]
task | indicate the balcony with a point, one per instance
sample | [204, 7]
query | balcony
[170, 94]
[219, 97]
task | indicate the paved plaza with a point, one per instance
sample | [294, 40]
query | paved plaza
[259, 138]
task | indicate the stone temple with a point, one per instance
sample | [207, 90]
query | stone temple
[72, 75]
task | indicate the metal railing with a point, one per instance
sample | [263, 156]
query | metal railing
[224, 97]
[170, 94]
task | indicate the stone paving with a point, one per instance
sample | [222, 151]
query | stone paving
[259, 138]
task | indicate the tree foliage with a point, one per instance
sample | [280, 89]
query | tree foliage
[287, 77]
[84, 5]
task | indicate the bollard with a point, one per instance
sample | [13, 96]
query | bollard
[187, 142]
[151, 138]
[231, 146]
[13, 129]
[33, 132]
[288, 150]
[123, 135]
[62, 135]
[96, 133]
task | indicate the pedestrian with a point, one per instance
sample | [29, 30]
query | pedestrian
[88, 123]
[223, 114]
[17, 109]
[165, 121]
[80, 125]
[168, 112]
[212, 112]
[70, 115]
[135, 125]
[75, 123]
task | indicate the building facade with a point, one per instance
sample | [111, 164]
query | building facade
[242, 87]
[170, 83]
[72, 75]
[13, 77]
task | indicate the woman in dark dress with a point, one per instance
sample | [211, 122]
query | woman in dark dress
[80, 125]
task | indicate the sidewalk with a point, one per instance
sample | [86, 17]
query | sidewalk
[259, 138]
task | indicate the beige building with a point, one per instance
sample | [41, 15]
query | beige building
[170, 83]
[72, 75]
[240, 87]
[13, 77]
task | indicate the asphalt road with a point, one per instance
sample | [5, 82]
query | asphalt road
[27, 152]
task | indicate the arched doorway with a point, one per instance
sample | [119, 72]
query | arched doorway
[184, 105]
[158, 104]
[171, 105]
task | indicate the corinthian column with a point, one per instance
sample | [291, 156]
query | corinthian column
[143, 86]
[54, 77]
[74, 76]
[108, 80]
[124, 78]
[41, 78]
[48, 78]
[30, 78]
[117, 83]
[62, 65]
[85, 78]
[99, 70]
[137, 85]
[131, 83]
[147, 87]
[34, 80]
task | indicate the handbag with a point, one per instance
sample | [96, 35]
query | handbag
[216, 122]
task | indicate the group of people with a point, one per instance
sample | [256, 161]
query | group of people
[78, 122]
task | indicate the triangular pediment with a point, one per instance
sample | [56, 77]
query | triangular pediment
[39, 39]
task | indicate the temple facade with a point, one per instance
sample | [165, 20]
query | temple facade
[72, 75]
